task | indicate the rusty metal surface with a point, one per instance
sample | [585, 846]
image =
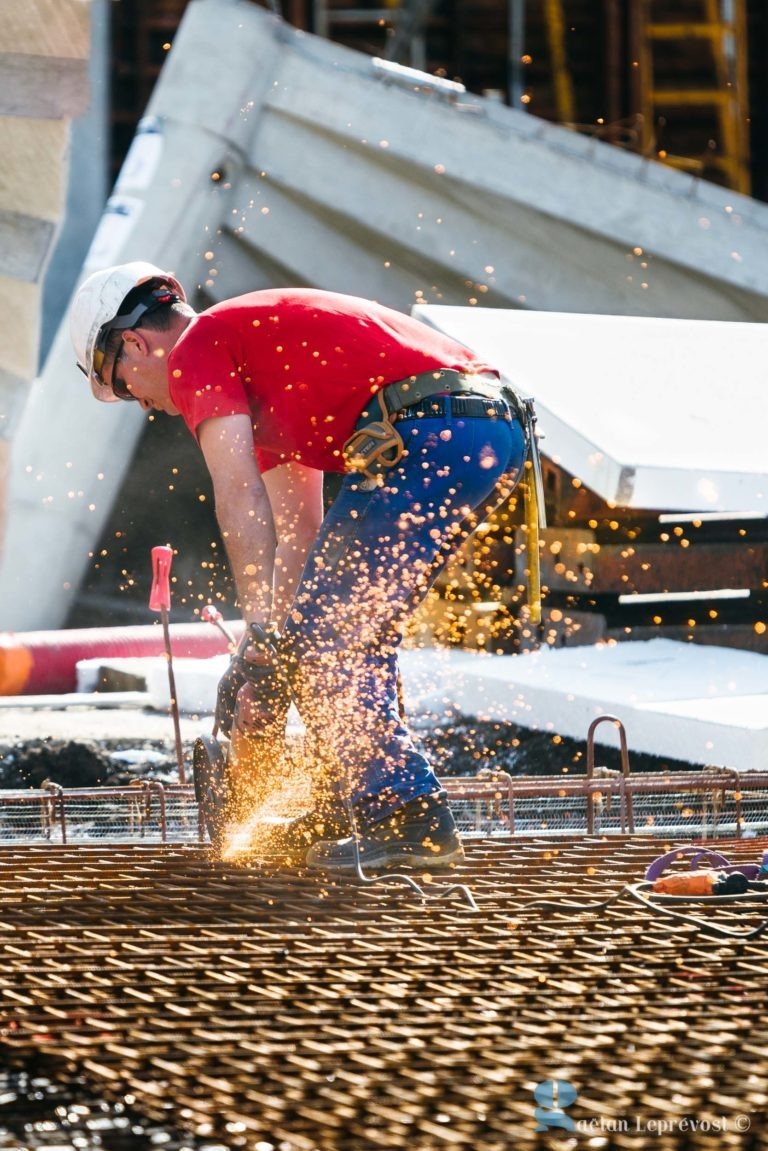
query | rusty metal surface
[273, 1009]
[144, 811]
[706, 802]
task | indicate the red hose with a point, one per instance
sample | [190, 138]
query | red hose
[43, 662]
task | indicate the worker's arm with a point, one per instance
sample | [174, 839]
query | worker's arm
[296, 495]
[243, 511]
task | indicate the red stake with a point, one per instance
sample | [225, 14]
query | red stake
[160, 601]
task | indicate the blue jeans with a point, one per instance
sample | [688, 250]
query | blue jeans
[377, 554]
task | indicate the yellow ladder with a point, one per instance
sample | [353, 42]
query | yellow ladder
[722, 24]
[554, 20]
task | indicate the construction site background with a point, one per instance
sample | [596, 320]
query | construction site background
[688, 91]
[685, 83]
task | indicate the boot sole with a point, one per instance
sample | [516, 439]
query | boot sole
[390, 856]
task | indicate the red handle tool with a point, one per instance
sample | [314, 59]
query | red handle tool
[160, 596]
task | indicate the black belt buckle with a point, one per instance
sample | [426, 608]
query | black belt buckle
[480, 407]
[472, 407]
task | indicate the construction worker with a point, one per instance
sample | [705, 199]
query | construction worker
[279, 387]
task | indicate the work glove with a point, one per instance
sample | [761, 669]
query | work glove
[256, 663]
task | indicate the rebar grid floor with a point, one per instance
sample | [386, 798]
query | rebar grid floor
[277, 1009]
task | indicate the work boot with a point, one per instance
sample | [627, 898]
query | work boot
[294, 837]
[421, 832]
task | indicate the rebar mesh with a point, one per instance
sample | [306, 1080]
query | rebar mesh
[690, 804]
[491, 804]
[258, 1008]
[149, 813]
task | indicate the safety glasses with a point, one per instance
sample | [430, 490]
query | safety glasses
[118, 386]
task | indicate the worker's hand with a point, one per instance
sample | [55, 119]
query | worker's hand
[256, 663]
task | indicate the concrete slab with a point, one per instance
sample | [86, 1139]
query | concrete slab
[652, 413]
[701, 705]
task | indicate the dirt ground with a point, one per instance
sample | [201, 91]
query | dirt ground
[460, 747]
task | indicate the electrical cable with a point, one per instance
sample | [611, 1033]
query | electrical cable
[661, 904]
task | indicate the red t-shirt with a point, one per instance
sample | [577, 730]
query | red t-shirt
[303, 364]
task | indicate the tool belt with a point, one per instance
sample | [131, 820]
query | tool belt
[376, 445]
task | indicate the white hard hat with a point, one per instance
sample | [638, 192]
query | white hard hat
[96, 311]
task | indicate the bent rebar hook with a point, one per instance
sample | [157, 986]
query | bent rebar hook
[398, 876]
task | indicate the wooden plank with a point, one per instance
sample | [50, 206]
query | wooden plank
[34, 167]
[26, 241]
[20, 308]
[47, 27]
[673, 567]
[573, 561]
[42, 87]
